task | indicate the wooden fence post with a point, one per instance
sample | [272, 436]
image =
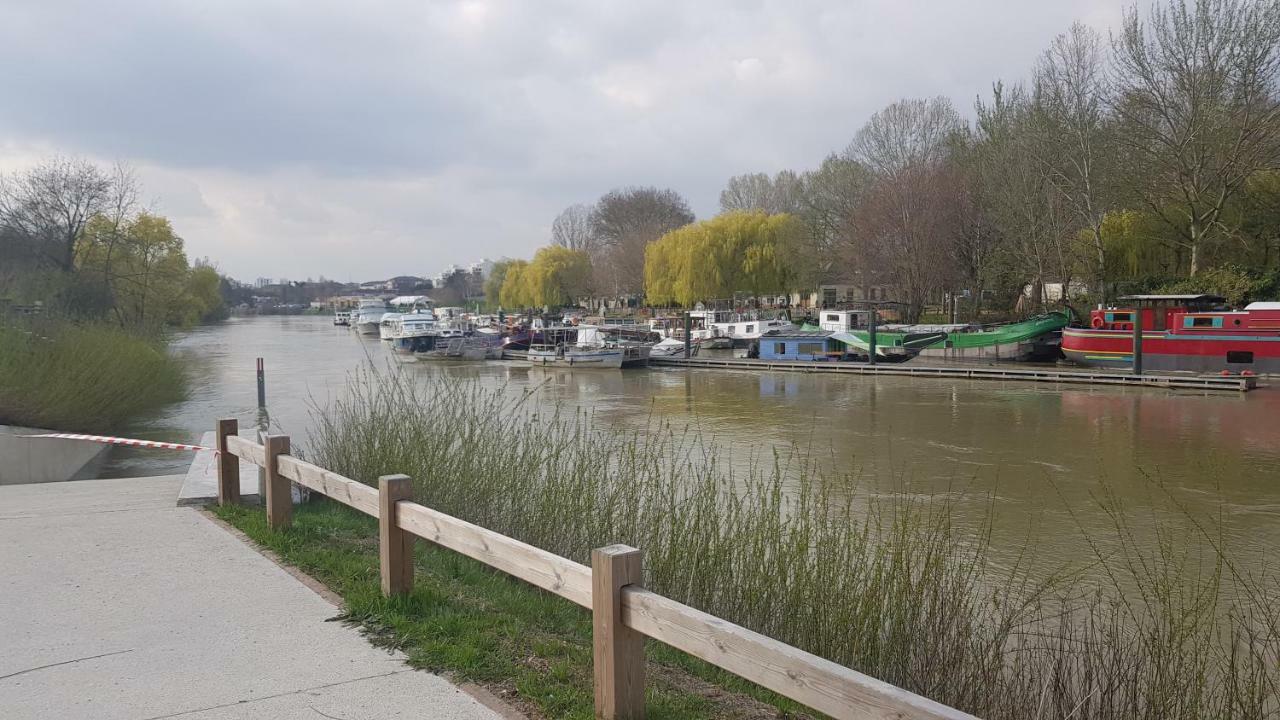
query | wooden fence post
[228, 464]
[395, 546]
[618, 650]
[279, 494]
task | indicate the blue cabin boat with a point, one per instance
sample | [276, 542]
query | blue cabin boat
[801, 345]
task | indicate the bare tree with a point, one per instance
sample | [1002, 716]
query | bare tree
[830, 199]
[1075, 140]
[906, 134]
[907, 216]
[624, 223]
[757, 191]
[50, 204]
[1197, 96]
[572, 228]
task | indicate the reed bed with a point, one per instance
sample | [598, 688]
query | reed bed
[889, 586]
[82, 377]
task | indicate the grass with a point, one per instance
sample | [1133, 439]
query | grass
[82, 377]
[527, 645]
[886, 585]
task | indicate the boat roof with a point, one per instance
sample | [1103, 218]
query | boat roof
[798, 334]
[1204, 297]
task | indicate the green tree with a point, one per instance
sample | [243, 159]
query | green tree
[515, 289]
[557, 275]
[493, 283]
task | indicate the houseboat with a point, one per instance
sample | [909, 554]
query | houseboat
[1194, 333]
[744, 328]
[1036, 338]
[572, 347]
[833, 345]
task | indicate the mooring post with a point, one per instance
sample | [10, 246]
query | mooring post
[395, 546]
[1137, 341]
[871, 334]
[618, 650]
[279, 492]
[688, 337]
[228, 464]
[262, 385]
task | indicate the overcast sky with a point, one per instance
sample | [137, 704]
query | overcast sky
[359, 140]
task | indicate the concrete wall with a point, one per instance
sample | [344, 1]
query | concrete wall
[43, 460]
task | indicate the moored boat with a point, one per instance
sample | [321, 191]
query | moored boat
[368, 317]
[1035, 338]
[342, 318]
[1193, 333]
[577, 347]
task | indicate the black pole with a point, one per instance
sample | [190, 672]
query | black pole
[688, 337]
[871, 334]
[1137, 341]
[262, 385]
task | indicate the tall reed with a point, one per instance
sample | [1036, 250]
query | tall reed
[82, 377]
[885, 585]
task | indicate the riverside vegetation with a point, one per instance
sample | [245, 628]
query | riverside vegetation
[106, 281]
[885, 585]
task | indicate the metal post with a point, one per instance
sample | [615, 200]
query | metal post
[262, 385]
[1137, 341]
[688, 337]
[871, 334]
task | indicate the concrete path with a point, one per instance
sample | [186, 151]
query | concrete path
[114, 603]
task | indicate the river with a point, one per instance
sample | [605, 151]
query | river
[1038, 454]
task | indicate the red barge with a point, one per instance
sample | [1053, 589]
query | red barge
[1180, 332]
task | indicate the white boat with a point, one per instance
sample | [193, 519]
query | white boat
[744, 328]
[673, 347]
[342, 318]
[576, 347]
[386, 326]
[412, 332]
[368, 316]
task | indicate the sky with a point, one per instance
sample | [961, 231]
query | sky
[362, 140]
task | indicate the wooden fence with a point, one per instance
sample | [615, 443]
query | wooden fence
[623, 612]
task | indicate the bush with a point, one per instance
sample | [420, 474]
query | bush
[84, 378]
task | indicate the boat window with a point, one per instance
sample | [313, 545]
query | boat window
[1239, 356]
[1119, 317]
[750, 328]
[810, 349]
[780, 348]
[833, 318]
[1202, 322]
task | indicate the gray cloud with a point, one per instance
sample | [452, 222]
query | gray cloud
[308, 138]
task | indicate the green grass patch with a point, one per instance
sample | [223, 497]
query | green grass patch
[480, 625]
[85, 378]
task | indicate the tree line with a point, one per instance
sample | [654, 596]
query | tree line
[1147, 159]
[75, 237]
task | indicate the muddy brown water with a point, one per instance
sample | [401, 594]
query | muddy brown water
[1038, 454]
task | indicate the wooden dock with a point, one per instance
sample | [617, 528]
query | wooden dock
[1229, 383]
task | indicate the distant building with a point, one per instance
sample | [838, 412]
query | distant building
[262, 282]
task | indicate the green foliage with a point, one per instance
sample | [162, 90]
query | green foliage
[557, 276]
[732, 252]
[493, 283]
[481, 625]
[87, 378]
[1238, 285]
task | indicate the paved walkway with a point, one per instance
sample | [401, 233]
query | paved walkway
[115, 603]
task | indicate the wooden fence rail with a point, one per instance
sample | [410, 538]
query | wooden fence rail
[623, 612]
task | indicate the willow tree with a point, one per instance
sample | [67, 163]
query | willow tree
[557, 275]
[515, 289]
[733, 252]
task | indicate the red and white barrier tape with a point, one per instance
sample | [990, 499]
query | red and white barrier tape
[120, 441]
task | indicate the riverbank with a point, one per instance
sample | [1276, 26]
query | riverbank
[528, 647]
[888, 585]
[83, 377]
